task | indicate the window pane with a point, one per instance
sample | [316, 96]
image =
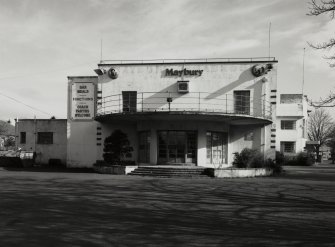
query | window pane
[242, 102]
[287, 147]
[287, 124]
[22, 137]
[216, 147]
[44, 138]
[144, 146]
[129, 100]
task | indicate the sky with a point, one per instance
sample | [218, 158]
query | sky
[44, 41]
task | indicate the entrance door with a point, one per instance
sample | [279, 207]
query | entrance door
[217, 147]
[176, 147]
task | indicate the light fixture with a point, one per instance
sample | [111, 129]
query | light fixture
[112, 73]
[100, 71]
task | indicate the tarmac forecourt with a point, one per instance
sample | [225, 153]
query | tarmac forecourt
[40, 208]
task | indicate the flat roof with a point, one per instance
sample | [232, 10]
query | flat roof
[42, 119]
[83, 77]
[190, 61]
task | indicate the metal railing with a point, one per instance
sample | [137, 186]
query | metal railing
[192, 60]
[197, 102]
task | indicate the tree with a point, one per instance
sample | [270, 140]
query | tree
[320, 128]
[3, 127]
[116, 147]
[10, 142]
[331, 143]
[319, 7]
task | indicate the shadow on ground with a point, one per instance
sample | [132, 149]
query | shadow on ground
[64, 209]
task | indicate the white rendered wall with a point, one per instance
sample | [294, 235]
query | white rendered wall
[81, 134]
[216, 80]
[44, 152]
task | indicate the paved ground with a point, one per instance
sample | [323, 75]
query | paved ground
[83, 209]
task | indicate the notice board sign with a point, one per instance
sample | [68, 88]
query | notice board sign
[82, 101]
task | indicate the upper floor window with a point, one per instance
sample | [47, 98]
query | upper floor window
[44, 138]
[288, 124]
[287, 147]
[129, 100]
[242, 102]
[22, 137]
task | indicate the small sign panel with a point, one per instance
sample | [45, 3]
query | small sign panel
[83, 101]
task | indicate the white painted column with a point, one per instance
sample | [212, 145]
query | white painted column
[201, 153]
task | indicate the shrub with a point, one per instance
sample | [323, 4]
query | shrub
[301, 159]
[251, 158]
[116, 148]
[276, 167]
[10, 161]
[55, 163]
[248, 158]
[280, 158]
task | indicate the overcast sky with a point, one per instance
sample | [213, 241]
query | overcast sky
[44, 41]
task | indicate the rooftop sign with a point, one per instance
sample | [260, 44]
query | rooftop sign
[183, 72]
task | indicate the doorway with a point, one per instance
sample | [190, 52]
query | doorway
[177, 147]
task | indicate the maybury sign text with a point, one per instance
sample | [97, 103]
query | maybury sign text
[183, 72]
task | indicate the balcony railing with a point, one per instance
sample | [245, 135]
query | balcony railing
[197, 102]
[194, 60]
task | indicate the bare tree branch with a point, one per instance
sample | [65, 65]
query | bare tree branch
[326, 102]
[324, 6]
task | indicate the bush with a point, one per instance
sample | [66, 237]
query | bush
[10, 161]
[55, 163]
[280, 158]
[116, 148]
[301, 159]
[276, 167]
[251, 158]
[248, 158]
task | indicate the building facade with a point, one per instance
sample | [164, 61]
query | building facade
[291, 124]
[180, 112]
[46, 137]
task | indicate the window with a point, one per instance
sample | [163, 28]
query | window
[216, 147]
[22, 137]
[129, 100]
[144, 147]
[288, 125]
[287, 147]
[242, 102]
[44, 138]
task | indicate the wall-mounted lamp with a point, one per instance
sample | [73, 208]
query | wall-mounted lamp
[112, 73]
[261, 69]
[100, 71]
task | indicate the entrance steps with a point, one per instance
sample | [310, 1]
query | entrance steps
[170, 171]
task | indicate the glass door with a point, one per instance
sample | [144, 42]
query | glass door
[176, 147]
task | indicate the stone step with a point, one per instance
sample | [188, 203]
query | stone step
[155, 171]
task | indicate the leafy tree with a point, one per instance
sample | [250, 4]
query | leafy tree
[116, 147]
[320, 128]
